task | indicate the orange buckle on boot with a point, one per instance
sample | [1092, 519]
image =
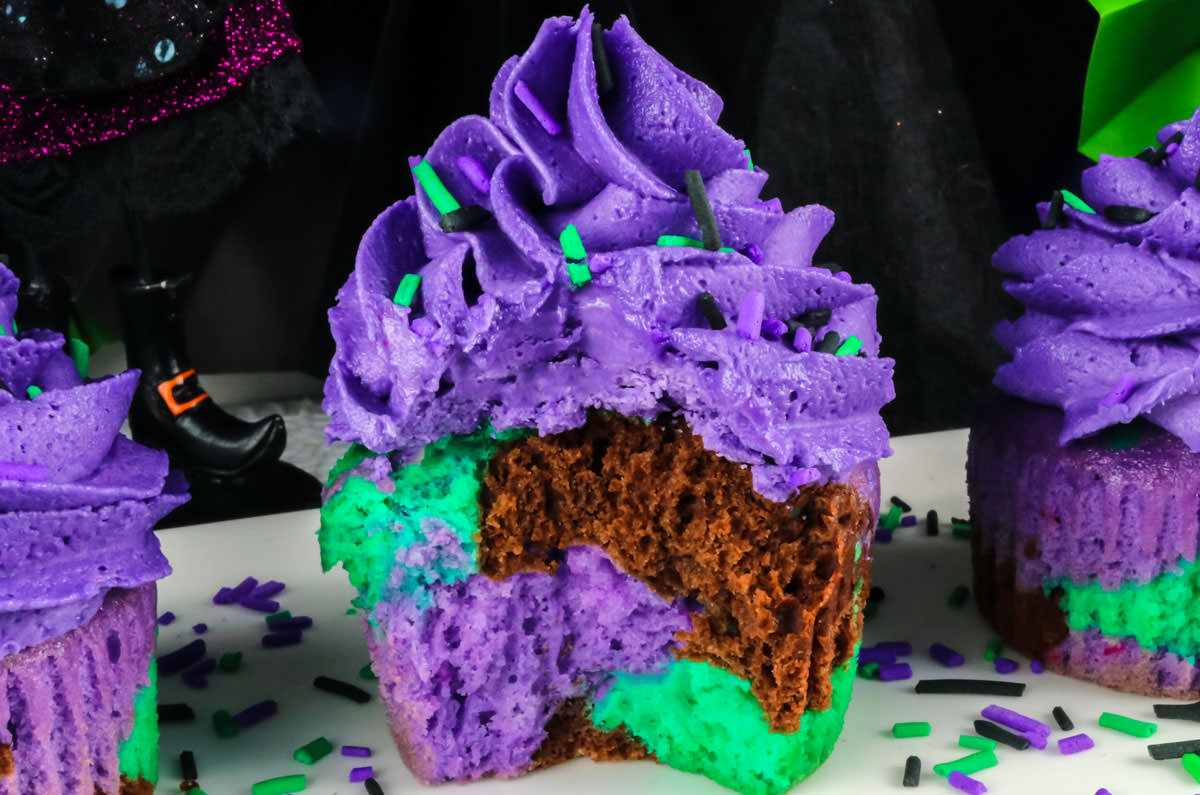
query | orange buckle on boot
[166, 391]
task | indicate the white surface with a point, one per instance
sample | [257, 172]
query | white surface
[916, 572]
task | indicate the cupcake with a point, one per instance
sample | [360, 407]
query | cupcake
[614, 476]
[78, 561]
[1084, 468]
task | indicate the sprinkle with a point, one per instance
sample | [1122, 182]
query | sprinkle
[712, 313]
[1054, 214]
[1121, 437]
[849, 347]
[1178, 711]
[891, 519]
[277, 616]
[911, 729]
[870, 610]
[912, 771]
[1015, 720]
[79, 352]
[360, 751]
[1191, 763]
[969, 687]
[572, 244]
[895, 672]
[361, 774]
[829, 343]
[256, 713]
[187, 766]
[749, 159]
[1035, 666]
[967, 784]
[475, 173]
[1036, 740]
[774, 327]
[946, 655]
[223, 597]
[1074, 201]
[802, 339]
[1103, 791]
[223, 724]
[1163, 751]
[976, 743]
[960, 527]
[313, 752]
[439, 197]
[958, 597]
[464, 218]
[283, 624]
[972, 763]
[535, 107]
[755, 254]
[261, 605]
[750, 315]
[931, 523]
[883, 535]
[902, 647]
[244, 588]
[166, 619]
[1075, 743]
[901, 504]
[702, 209]
[350, 611]
[175, 713]
[196, 677]
[876, 594]
[908, 521]
[278, 640]
[230, 662]
[33, 391]
[373, 787]
[1122, 214]
[407, 290]
[200, 628]
[1004, 665]
[604, 77]
[815, 318]
[282, 785]
[993, 649]
[26, 473]
[185, 657]
[1061, 718]
[1120, 392]
[679, 240]
[1127, 725]
[339, 688]
[870, 670]
[985, 728]
[366, 672]
[843, 276]
[876, 655]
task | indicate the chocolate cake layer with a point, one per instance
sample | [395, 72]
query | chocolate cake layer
[570, 734]
[777, 583]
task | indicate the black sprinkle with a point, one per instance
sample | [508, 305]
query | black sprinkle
[187, 766]
[1063, 719]
[870, 609]
[1178, 711]
[877, 594]
[912, 771]
[1123, 214]
[702, 209]
[985, 728]
[373, 787]
[604, 78]
[709, 365]
[710, 310]
[1150, 155]
[815, 318]
[931, 523]
[1176, 138]
[184, 657]
[340, 688]
[468, 217]
[901, 504]
[1163, 751]
[970, 687]
[956, 520]
[1055, 214]
[829, 343]
[175, 713]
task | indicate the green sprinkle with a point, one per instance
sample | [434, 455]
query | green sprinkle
[1191, 763]
[279, 615]
[978, 743]
[961, 529]
[434, 189]
[749, 160]
[223, 724]
[350, 611]
[80, 354]
[366, 672]
[2, 331]
[33, 391]
[1126, 725]
[993, 648]
[230, 662]
[870, 610]
[682, 240]
[313, 752]
[281, 785]
[911, 728]
[959, 596]
[870, 670]
[1074, 201]
[1121, 437]
[980, 760]
[890, 520]
[407, 290]
[579, 272]
[849, 347]
[572, 244]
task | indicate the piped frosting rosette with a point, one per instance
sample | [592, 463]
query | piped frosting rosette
[78, 500]
[501, 332]
[1111, 330]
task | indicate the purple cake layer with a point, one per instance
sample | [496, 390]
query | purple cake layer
[1124, 665]
[471, 682]
[67, 704]
[1084, 512]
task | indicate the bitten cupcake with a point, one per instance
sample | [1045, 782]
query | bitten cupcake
[78, 561]
[1084, 475]
[614, 481]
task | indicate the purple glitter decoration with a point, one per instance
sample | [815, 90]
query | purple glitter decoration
[223, 597]
[750, 315]
[255, 34]
[360, 774]
[946, 655]
[755, 254]
[802, 340]
[895, 672]
[1075, 743]
[200, 628]
[1036, 739]
[244, 588]
[967, 784]
[773, 327]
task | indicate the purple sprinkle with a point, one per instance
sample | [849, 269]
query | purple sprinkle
[261, 605]
[755, 253]
[909, 521]
[902, 647]
[1004, 665]
[360, 774]
[277, 640]
[843, 276]
[946, 655]
[200, 628]
[1075, 743]
[1035, 739]
[876, 655]
[883, 536]
[475, 173]
[1171, 148]
[601, 262]
[224, 597]
[243, 588]
[1103, 791]
[773, 327]
[166, 619]
[1120, 392]
[196, 677]
[895, 672]
[176, 661]
[1035, 666]
[750, 315]
[268, 589]
[967, 784]
[295, 622]
[356, 750]
[535, 106]
[802, 340]
[256, 713]
[1015, 720]
[27, 473]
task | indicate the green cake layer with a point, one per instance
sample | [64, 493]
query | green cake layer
[138, 755]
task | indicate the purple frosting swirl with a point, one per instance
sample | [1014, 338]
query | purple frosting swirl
[1111, 330]
[78, 501]
[499, 334]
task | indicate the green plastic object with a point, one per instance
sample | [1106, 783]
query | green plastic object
[33, 391]
[1144, 73]
[973, 763]
[313, 752]
[1127, 725]
[407, 290]
[976, 743]
[749, 160]
[911, 729]
[281, 785]
[434, 189]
